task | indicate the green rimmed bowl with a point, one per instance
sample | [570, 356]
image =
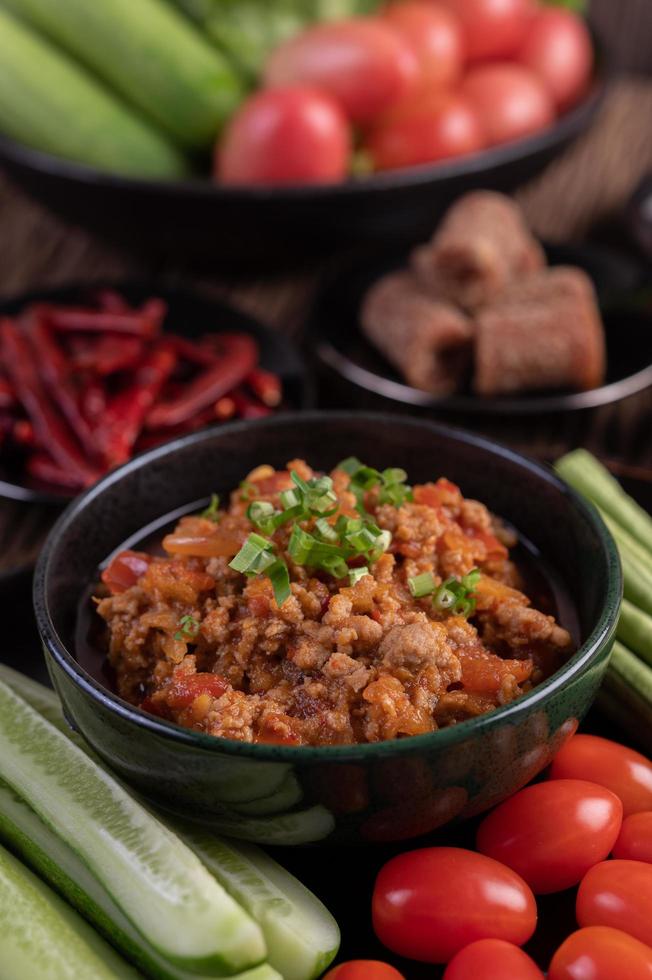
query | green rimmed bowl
[394, 790]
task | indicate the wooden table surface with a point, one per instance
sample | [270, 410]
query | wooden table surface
[581, 195]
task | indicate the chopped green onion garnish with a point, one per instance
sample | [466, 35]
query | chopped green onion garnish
[259, 511]
[249, 490]
[212, 511]
[280, 578]
[355, 574]
[188, 628]
[393, 489]
[350, 465]
[326, 530]
[422, 585]
[444, 598]
[256, 554]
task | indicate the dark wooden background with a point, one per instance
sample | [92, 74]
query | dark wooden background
[581, 195]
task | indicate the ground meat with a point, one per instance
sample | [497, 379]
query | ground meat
[197, 643]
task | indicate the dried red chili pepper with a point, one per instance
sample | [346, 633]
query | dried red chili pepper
[51, 429]
[238, 358]
[265, 386]
[193, 353]
[92, 401]
[145, 322]
[105, 355]
[246, 407]
[55, 371]
[42, 467]
[225, 408]
[7, 393]
[111, 301]
[123, 419]
[23, 433]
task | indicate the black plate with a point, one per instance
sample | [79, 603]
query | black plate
[342, 349]
[190, 314]
[268, 227]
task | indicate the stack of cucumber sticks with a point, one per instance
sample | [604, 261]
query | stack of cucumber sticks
[626, 695]
[177, 904]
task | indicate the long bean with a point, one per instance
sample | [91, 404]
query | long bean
[635, 630]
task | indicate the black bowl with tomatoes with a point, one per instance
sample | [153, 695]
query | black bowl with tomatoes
[342, 171]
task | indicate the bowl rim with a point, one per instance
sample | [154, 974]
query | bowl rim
[563, 128]
[601, 634]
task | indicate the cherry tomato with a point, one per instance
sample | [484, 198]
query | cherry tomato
[285, 136]
[625, 772]
[635, 839]
[617, 894]
[600, 953]
[364, 970]
[492, 959]
[493, 28]
[431, 127]
[510, 100]
[434, 34]
[428, 904]
[124, 570]
[552, 833]
[558, 48]
[362, 63]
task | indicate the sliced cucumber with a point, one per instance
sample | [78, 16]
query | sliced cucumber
[55, 861]
[50, 103]
[159, 884]
[302, 936]
[41, 937]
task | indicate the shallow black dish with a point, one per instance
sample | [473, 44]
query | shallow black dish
[364, 376]
[290, 795]
[266, 228]
[190, 314]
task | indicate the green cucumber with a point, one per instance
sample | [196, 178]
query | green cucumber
[149, 53]
[53, 105]
[55, 861]
[41, 937]
[159, 884]
[302, 936]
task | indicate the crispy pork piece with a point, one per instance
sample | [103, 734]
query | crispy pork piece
[544, 332]
[427, 340]
[481, 246]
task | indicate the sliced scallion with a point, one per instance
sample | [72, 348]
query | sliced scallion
[422, 585]
[355, 574]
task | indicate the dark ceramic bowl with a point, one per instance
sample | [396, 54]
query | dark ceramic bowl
[264, 228]
[374, 792]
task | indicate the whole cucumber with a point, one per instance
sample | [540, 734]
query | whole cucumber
[51, 104]
[149, 53]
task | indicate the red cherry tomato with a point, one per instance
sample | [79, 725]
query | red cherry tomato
[364, 970]
[493, 28]
[510, 100]
[625, 772]
[552, 833]
[434, 126]
[362, 63]
[285, 136]
[635, 839]
[492, 959]
[559, 50]
[617, 894]
[600, 953]
[428, 904]
[124, 570]
[435, 36]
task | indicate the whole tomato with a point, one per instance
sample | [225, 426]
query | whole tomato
[428, 904]
[492, 959]
[364, 970]
[601, 953]
[429, 127]
[559, 50]
[635, 839]
[435, 36]
[362, 63]
[617, 894]
[625, 772]
[552, 833]
[285, 136]
[493, 29]
[510, 100]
